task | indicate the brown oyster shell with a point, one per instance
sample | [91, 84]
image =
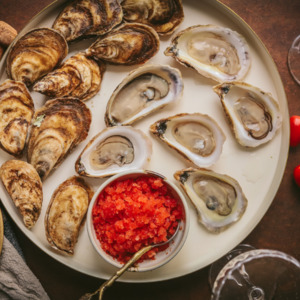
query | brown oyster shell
[66, 213]
[78, 77]
[88, 17]
[59, 126]
[35, 54]
[129, 44]
[16, 110]
[24, 186]
[163, 15]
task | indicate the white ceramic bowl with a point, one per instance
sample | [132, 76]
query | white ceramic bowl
[162, 257]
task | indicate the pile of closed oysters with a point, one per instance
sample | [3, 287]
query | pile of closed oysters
[125, 33]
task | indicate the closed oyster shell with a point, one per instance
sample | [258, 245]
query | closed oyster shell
[78, 77]
[16, 110]
[143, 91]
[59, 126]
[197, 137]
[82, 18]
[218, 199]
[163, 15]
[24, 186]
[66, 213]
[253, 114]
[35, 54]
[128, 44]
[113, 150]
[215, 52]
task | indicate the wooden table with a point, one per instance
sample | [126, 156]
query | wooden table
[276, 22]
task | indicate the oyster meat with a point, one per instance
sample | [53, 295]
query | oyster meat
[253, 114]
[83, 18]
[217, 198]
[24, 187]
[78, 77]
[113, 150]
[35, 54]
[58, 127]
[144, 90]
[128, 44]
[66, 213]
[215, 52]
[163, 15]
[16, 111]
[197, 137]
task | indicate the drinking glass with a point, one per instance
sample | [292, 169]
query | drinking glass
[294, 59]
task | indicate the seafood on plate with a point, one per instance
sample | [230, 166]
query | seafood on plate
[66, 214]
[127, 44]
[195, 136]
[218, 199]
[35, 54]
[79, 77]
[82, 18]
[254, 115]
[58, 127]
[16, 110]
[143, 91]
[24, 187]
[213, 51]
[163, 15]
[113, 150]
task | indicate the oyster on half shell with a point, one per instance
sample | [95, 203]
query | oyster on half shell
[215, 52]
[128, 44]
[144, 90]
[253, 114]
[163, 15]
[197, 137]
[113, 150]
[35, 54]
[217, 198]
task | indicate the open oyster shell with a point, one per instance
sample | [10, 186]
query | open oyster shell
[215, 52]
[78, 77]
[16, 111]
[163, 15]
[35, 54]
[66, 213]
[144, 90]
[113, 150]
[24, 186]
[82, 18]
[128, 44]
[58, 127]
[197, 137]
[253, 114]
[217, 198]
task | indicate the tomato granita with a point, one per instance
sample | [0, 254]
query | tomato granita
[132, 213]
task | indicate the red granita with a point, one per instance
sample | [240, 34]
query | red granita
[132, 213]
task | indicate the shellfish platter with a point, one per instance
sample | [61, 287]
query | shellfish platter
[258, 170]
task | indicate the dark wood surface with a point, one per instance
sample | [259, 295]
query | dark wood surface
[277, 23]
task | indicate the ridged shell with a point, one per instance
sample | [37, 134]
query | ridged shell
[113, 150]
[59, 126]
[16, 110]
[66, 213]
[35, 54]
[163, 15]
[218, 199]
[78, 77]
[24, 186]
[197, 137]
[128, 44]
[215, 52]
[143, 91]
[253, 114]
[82, 18]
